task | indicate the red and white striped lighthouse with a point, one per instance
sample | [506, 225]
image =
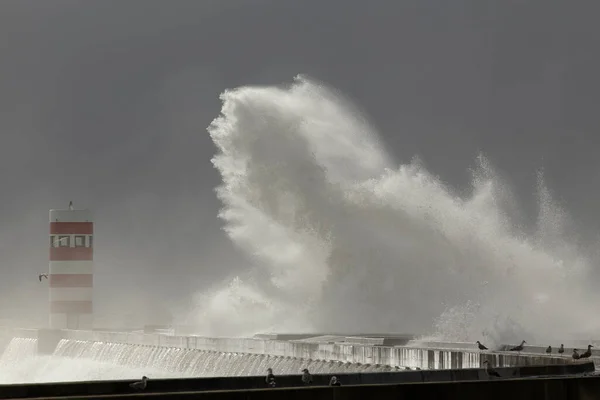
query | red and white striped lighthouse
[71, 269]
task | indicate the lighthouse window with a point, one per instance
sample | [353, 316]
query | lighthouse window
[63, 241]
[55, 241]
[79, 241]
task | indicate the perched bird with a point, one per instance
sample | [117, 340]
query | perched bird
[71, 205]
[561, 349]
[141, 385]
[548, 349]
[306, 377]
[270, 379]
[587, 353]
[518, 348]
[489, 370]
[334, 381]
[575, 354]
[40, 276]
[481, 347]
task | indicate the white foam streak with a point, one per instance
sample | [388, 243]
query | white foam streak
[341, 239]
[18, 349]
[41, 369]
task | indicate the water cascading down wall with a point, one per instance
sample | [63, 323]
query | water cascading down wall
[199, 356]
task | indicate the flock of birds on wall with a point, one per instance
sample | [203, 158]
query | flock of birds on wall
[561, 350]
[305, 378]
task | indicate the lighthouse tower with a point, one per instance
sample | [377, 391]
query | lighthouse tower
[71, 269]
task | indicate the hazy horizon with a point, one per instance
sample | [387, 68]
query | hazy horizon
[107, 103]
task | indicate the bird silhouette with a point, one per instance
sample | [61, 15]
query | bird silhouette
[561, 349]
[306, 377]
[40, 276]
[489, 370]
[519, 348]
[270, 379]
[140, 385]
[575, 355]
[587, 353]
[71, 205]
[548, 349]
[481, 347]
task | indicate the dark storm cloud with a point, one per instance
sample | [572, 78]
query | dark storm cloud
[106, 102]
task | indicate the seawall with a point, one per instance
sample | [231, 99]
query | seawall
[575, 388]
[363, 353]
[425, 358]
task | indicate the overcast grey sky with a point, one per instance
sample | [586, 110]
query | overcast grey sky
[106, 102]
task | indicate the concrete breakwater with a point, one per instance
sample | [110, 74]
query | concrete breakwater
[396, 356]
[377, 356]
[201, 363]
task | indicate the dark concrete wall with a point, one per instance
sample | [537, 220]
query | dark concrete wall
[581, 388]
[83, 389]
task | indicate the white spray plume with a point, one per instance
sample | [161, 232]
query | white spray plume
[343, 240]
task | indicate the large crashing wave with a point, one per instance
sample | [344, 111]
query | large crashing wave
[341, 239]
